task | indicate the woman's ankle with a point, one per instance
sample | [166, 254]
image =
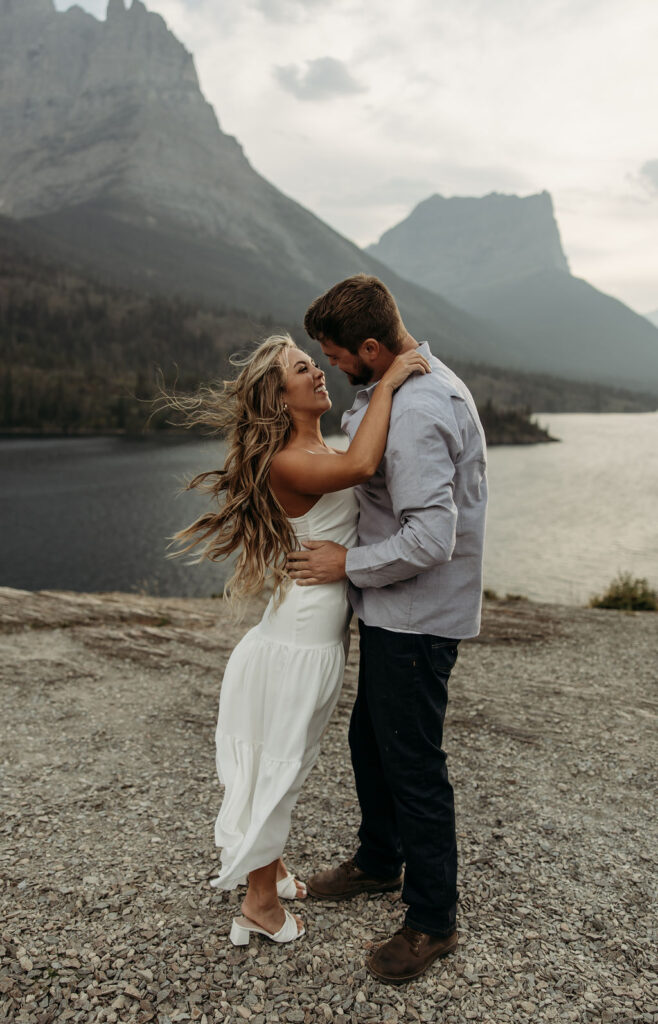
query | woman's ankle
[262, 899]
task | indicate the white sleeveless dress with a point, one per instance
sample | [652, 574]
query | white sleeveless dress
[280, 687]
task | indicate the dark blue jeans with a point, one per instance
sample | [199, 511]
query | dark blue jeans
[407, 806]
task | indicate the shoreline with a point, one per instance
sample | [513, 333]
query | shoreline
[525, 437]
[110, 793]
[491, 597]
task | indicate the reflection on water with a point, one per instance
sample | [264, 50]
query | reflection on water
[565, 518]
[95, 513]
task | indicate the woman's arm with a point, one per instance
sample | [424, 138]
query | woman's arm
[314, 474]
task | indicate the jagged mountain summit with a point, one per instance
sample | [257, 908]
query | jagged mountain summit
[500, 258]
[112, 159]
[113, 111]
[483, 242]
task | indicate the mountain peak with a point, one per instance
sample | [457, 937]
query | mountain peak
[123, 93]
[455, 244]
[115, 9]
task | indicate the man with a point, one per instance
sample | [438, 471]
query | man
[416, 583]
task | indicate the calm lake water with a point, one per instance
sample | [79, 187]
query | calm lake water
[93, 514]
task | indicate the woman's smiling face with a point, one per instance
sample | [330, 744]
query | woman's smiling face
[305, 390]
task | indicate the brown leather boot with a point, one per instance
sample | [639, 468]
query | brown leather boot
[407, 954]
[348, 880]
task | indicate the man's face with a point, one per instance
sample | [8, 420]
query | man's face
[353, 367]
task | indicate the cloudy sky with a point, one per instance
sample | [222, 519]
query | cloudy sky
[359, 111]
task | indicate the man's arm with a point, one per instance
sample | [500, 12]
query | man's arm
[420, 469]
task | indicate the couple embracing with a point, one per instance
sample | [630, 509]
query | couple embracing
[392, 529]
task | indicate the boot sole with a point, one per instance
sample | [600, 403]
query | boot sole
[374, 889]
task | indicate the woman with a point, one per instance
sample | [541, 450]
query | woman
[281, 485]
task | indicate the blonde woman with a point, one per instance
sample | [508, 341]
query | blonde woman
[281, 485]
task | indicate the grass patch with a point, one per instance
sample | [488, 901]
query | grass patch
[627, 594]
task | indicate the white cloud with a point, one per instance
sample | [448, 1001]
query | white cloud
[322, 78]
[286, 10]
[461, 97]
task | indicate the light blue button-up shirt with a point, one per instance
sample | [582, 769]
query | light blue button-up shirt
[418, 566]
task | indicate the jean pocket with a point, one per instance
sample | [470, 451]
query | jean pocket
[443, 653]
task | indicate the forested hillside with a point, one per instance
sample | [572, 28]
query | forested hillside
[78, 356]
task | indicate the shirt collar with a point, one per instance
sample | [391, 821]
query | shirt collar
[364, 394]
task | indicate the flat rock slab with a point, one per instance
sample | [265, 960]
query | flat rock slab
[109, 795]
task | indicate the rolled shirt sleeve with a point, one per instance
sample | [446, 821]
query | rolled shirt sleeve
[419, 469]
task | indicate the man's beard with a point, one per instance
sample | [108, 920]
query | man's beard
[363, 375]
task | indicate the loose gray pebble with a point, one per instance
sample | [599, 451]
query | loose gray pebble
[109, 795]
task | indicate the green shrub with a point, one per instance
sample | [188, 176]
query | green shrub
[627, 594]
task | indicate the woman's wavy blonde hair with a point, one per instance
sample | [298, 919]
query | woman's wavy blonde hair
[251, 412]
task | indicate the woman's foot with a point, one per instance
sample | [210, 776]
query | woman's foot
[268, 913]
[282, 872]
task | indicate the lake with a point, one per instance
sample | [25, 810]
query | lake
[94, 514]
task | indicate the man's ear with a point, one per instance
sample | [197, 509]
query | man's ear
[369, 350]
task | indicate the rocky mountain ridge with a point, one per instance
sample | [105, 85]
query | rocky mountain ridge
[484, 242]
[88, 108]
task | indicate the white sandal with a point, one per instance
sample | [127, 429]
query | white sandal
[287, 888]
[242, 928]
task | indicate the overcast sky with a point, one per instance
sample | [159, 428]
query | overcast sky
[359, 111]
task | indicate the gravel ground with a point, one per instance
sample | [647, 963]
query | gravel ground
[109, 796]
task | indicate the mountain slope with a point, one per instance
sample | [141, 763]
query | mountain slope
[164, 259]
[573, 329]
[78, 356]
[500, 258]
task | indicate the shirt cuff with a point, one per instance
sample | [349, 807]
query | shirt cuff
[357, 570]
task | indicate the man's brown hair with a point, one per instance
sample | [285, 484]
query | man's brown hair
[355, 309]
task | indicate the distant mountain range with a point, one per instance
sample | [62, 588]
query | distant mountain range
[500, 258]
[112, 162]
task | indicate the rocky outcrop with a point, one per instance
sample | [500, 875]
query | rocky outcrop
[92, 109]
[460, 244]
